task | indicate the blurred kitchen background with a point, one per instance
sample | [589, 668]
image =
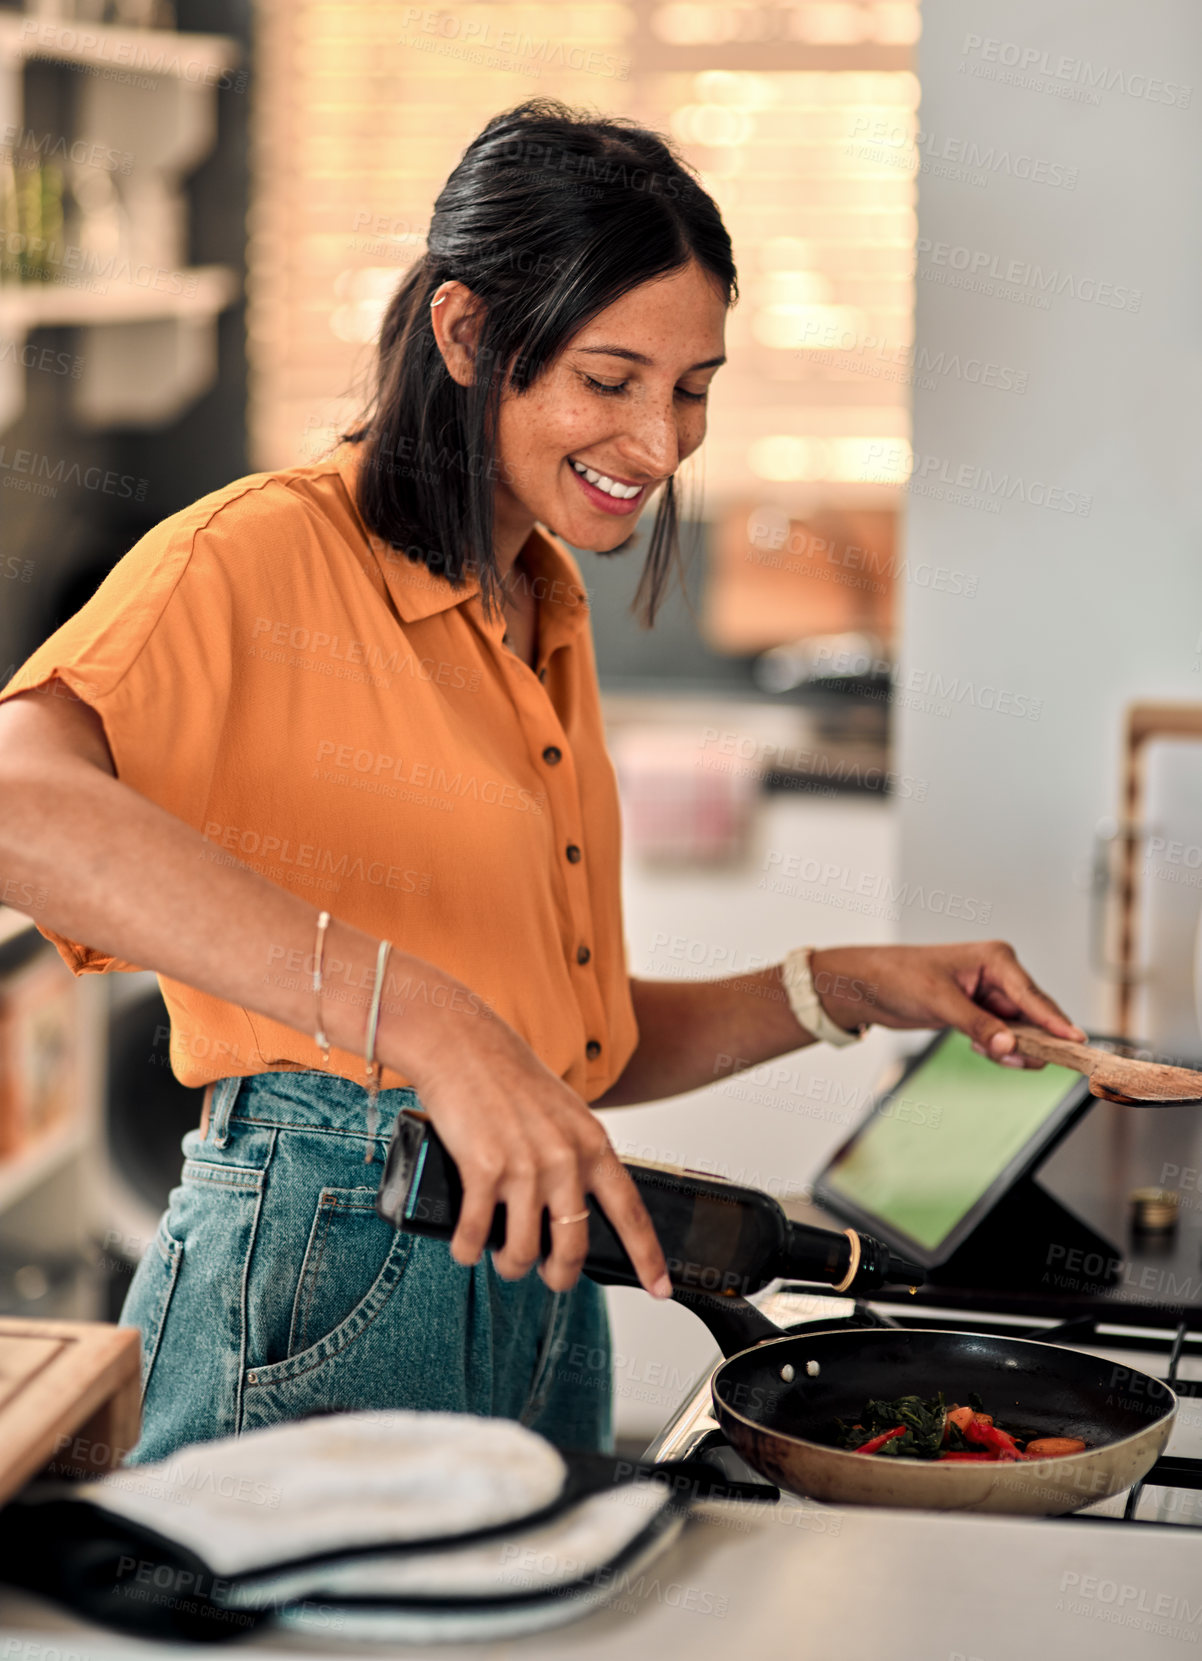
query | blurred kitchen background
[934, 672]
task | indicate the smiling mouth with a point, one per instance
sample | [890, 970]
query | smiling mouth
[618, 489]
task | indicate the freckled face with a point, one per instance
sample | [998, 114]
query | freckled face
[625, 400]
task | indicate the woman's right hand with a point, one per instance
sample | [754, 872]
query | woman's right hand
[520, 1136]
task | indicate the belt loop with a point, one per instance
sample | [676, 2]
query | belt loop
[225, 1093]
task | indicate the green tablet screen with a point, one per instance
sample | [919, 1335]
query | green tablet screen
[933, 1148]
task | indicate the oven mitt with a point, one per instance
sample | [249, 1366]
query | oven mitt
[392, 1524]
[519, 1582]
[335, 1482]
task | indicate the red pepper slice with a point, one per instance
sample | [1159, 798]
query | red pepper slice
[989, 1436]
[875, 1442]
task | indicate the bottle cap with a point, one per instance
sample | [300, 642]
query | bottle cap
[1154, 1210]
[901, 1272]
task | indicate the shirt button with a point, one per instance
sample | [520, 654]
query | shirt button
[583, 955]
[592, 1049]
[573, 853]
[551, 755]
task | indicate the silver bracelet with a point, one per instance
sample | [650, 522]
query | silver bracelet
[803, 1000]
[319, 1033]
[373, 1066]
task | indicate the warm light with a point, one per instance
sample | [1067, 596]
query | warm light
[712, 124]
[689, 25]
[728, 86]
[896, 22]
[787, 253]
[829, 23]
[365, 293]
[783, 457]
[793, 290]
[787, 457]
[872, 460]
[805, 328]
[359, 120]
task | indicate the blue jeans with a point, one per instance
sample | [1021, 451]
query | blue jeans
[273, 1289]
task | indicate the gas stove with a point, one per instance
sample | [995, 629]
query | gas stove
[1171, 1493]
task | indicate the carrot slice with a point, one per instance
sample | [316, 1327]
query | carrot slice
[1052, 1447]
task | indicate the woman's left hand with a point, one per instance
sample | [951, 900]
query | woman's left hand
[976, 987]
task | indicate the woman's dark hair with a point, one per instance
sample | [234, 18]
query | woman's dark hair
[550, 217]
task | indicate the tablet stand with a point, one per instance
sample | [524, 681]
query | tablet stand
[1030, 1240]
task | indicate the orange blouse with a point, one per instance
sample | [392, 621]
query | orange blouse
[350, 725]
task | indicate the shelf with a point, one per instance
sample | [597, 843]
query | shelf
[26, 1170]
[189, 57]
[148, 354]
[150, 342]
[205, 290]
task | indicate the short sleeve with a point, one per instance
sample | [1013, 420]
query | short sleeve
[151, 652]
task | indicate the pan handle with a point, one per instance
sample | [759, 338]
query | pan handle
[735, 1323]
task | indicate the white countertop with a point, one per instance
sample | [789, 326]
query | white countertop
[815, 1584]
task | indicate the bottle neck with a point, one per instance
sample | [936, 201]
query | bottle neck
[814, 1254]
[851, 1262]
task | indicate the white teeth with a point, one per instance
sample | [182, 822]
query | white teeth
[602, 481]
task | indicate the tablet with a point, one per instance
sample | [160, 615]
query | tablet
[938, 1151]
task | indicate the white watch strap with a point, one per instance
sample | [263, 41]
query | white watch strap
[803, 1000]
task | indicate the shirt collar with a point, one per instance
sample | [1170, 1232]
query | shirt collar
[418, 592]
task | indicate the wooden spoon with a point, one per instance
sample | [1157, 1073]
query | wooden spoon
[1112, 1077]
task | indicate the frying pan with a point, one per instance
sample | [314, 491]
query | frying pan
[775, 1410]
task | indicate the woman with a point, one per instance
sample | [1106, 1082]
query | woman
[326, 751]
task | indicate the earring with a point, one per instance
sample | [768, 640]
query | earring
[437, 302]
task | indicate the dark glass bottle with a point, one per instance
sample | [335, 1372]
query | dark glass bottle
[717, 1236]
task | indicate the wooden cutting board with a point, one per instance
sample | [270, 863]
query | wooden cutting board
[70, 1396]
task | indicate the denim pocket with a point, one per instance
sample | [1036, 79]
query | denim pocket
[352, 1265]
[150, 1293]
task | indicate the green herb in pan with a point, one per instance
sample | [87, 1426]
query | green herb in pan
[924, 1421]
[911, 1427]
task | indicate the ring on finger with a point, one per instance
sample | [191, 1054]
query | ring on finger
[576, 1217]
